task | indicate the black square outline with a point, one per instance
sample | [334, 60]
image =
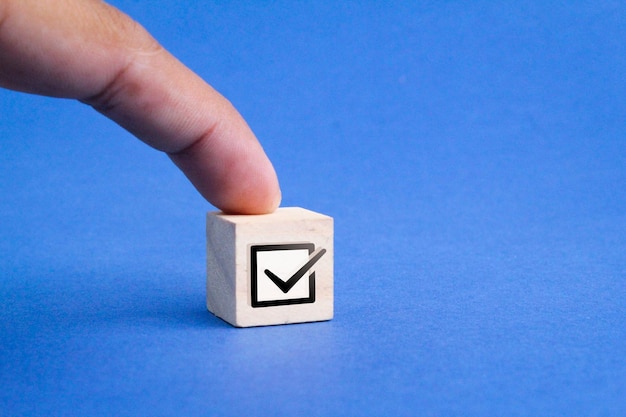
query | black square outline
[253, 275]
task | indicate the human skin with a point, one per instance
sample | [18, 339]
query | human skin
[90, 51]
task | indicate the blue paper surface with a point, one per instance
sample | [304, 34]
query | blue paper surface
[473, 157]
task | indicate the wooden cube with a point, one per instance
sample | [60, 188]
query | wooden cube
[270, 269]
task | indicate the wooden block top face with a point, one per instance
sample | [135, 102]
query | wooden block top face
[283, 214]
[280, 267]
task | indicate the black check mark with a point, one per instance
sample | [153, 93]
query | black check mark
[285, 286]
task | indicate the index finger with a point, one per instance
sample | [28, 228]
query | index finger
[90, 51]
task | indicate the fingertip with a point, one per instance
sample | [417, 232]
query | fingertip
[235, 179]
[265, 198]
[273, 201]
[277, 200]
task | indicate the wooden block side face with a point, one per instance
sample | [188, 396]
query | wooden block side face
[220, 284]
[270, 269]
[284, 271]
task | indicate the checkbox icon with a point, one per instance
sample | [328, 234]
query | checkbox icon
[283, 274]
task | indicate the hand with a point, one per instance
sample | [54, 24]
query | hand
[90, 51]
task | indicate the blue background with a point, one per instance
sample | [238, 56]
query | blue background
[473, 157]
